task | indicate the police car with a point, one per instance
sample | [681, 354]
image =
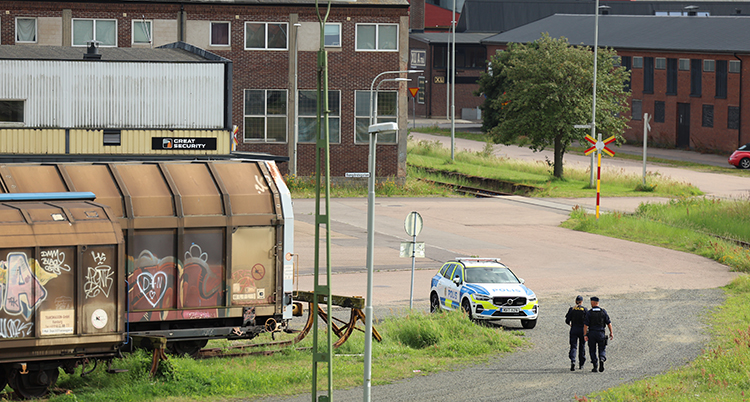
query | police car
[485, 289]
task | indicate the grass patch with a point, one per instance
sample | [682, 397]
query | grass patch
[413, 344]
[721, 373]
[304, 187]
[575, 184]
[685, 225]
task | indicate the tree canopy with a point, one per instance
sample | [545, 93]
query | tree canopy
[540, 90]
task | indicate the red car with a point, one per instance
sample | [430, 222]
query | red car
[741, 157]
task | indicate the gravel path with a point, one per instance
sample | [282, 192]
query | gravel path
[654, 331]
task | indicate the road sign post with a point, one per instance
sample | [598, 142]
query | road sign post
[646, 129]
[599, 146]
[413, 92]
[413, 226]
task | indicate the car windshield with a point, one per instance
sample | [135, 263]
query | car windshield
[745, 147]
[490, 275]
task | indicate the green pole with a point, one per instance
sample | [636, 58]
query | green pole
[322, 183]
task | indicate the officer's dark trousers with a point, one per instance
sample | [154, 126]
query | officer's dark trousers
[597, 340]
[577, 343]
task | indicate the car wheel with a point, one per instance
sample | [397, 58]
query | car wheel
[528, 324]
[744, 163]
[434, 303]
[466, 306]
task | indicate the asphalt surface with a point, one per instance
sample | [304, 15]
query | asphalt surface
[657, 298]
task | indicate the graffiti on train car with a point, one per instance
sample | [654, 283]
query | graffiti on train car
[99, 279]
[193, 286]
[22, 290]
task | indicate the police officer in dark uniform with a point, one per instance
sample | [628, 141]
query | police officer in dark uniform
[574, 318]
[593, 328]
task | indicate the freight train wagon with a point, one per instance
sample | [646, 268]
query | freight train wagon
[62, 287]
[208, 246]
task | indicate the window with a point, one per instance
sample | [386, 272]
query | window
[708, 65]
[696, 76]
[103, 31]
[332, 35]
[648, 75]
[439, 56]
[111, 138]
[708, 115]
[444, 269]
[25, 30]
[661, 63]
[266, 35]
[627, 62]
[733, 118]
[471, 57]
[265, 115]
[11, 111]
[377, 37]
[142, 32]
[386, 110]
[734, 66]
[684, 64]
[637, 62]
[721, 79]
[671, 76]
[308, 116]
[659, 112]
[219, 34]
[637, 110]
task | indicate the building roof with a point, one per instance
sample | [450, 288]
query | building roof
[689, 34]
[178, 52]
[445, 37]
[504, 15]
[436, 17]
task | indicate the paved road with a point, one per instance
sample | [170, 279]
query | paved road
[655, 296]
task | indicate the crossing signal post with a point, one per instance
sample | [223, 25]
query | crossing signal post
[599, 146]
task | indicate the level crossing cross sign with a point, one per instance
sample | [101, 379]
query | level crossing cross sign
[599, 145]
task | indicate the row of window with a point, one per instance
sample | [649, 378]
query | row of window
[707, 115]
[697, 67]
[684, 64]
[258, 35]
[265, 115]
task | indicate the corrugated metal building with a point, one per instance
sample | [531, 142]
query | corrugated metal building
[63, 100]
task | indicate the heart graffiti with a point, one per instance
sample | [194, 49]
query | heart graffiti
[153, 286]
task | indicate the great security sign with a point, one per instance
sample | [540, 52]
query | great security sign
[179, 143]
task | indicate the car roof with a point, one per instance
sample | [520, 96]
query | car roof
[480, 262]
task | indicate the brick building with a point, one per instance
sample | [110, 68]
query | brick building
[261, 38]
[482, 18]
[685, 72]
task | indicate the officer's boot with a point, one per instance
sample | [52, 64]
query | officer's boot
[580, 365]
[572, 366]
[601, 366]
[593, 370]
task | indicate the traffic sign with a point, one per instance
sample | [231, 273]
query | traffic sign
[582, 126]
[599, 145]
[413, 91]
[413, 224]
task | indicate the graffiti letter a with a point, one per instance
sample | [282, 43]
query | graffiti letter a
[24, 290]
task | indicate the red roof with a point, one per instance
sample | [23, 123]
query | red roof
[437, 18]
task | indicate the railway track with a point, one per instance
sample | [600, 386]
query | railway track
[475, 191]
[241, 350]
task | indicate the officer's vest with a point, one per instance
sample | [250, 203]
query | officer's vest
[576, 316]
[596, 318]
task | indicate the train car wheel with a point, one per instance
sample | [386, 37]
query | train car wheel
[33, 385]
[187, 348]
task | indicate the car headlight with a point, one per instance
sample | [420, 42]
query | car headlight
[478, 297]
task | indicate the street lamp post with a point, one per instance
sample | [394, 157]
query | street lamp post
[453, 84]
[293, 163]
[373, 130]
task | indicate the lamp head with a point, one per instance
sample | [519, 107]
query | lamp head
[382, 127]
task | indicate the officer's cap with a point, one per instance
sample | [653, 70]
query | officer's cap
[579, 298]
[594, 298]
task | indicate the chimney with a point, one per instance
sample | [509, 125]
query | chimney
[92, 51]
[416, 15]
[692, 11]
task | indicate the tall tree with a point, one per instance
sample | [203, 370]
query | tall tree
[540, 90]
